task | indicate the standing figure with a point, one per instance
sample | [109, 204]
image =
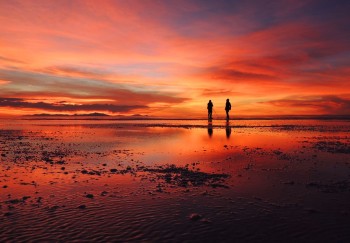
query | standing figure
[227, 109]
[210, 110]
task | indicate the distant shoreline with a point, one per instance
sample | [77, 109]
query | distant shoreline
[110, 118]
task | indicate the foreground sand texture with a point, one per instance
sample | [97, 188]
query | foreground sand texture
[173, 181]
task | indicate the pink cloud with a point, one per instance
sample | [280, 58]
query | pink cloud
[4, 82]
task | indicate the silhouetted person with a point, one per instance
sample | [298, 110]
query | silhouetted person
[210, 110]
[227, 109]
[210, 129]
[228, 130]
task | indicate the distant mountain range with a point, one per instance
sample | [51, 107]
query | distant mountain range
[88, 114]
[94, 115]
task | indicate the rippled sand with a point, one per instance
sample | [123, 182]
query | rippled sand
[175, 181]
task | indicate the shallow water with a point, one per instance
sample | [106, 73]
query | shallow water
[105, 180]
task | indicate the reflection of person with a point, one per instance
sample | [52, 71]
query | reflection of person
[227, 109]
[210, 129]
[210, 110]
[228, 130]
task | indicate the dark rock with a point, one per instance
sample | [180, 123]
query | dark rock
[195, 217]
[54, 208]
[277, 152]
[7, 214]
[184, 177]
[14, 201]
[215, 185]
[207, 221]
[331, 187]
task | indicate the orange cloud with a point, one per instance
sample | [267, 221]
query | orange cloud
[4, 82]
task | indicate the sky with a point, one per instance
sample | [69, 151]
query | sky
[168, 58]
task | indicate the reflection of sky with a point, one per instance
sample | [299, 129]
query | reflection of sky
[164, 145]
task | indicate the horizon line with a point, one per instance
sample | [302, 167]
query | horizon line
[118, 117]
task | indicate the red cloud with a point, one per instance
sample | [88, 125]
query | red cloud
[329, 104]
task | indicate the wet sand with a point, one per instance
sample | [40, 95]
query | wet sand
[175, 181]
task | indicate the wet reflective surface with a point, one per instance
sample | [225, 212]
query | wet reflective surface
[174, 180]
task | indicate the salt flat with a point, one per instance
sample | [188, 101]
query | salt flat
[173, 180]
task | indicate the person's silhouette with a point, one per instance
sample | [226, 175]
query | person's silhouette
[227, 109]
[210, 110]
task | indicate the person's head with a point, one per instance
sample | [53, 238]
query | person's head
[227, 100]
[209, 100]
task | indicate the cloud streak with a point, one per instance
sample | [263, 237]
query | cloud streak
[329, 104]
[21, 103]
[28, 84]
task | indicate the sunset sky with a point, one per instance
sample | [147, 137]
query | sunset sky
[168, 58]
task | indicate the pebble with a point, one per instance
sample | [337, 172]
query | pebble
[195, 216]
